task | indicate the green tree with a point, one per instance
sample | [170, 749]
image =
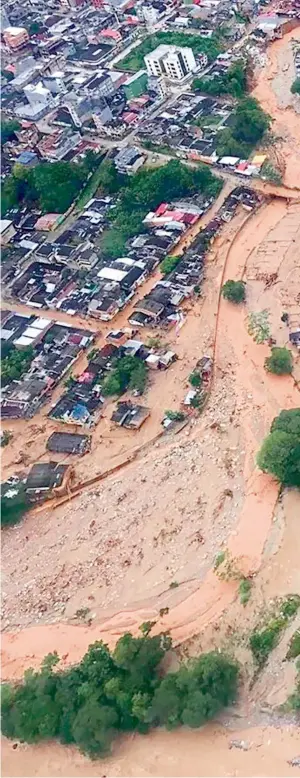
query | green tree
[287, 421]
[13, 508]
[250, 121]
[8, 129]
[280, 362]
[169, 264]
[128, 372]
[234, 291]
[280, 451]
[57, 184]
[295, 88]
[15, 364]
[94, 727]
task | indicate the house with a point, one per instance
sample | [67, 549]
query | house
[294, 338]
[7, 231]
[130, 415]
[47, 479]
[21, 401]
[129, 160]
[69, 443]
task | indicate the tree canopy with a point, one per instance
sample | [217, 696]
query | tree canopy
[234, 291]
[249, 123]
[280, 451]
[106, 693]
[15, 364]
[129, 373]
[8, 128]
[146, 190]
[295, 88]
[135, 59]
[53, 186]
[280, 362]
[232, 82]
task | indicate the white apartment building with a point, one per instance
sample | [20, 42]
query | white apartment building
[172, 62]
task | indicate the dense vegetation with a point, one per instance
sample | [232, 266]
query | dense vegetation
[15, 364]
[249, 124]
[135, 59]
[14, 507]
[128, 373]
[8, 129]
[233, 82]
[280, 451]
[234, 291]
[123, 691]
[53, 186]
[146, 190]
[264, 640]
[280, 362]
[169, 264]
[295, 88]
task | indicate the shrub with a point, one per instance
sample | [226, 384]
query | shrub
[195, 379]
[280, 362]
[245, 590]
[169, 264]
[262, 641]
[258, 325]
[234, 291]
[295, 88]
[128, 372]
[294, 646]
[175, 415]
[280, 451]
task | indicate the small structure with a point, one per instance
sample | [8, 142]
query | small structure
[129, 415]
[294, 338]
[45, 478]
[69, 443]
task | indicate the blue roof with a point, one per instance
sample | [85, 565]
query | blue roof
[80, 412]
[26, 157]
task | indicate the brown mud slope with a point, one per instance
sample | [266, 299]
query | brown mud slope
[286, 124]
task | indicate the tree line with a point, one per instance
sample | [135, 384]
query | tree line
[107, 693]
[249, 123]
[53, 186]
[232, 82]
[146, 190]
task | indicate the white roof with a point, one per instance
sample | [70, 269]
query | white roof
[15, 30]
[41, 324]
[152, 359]
[126, 261]
[112, 274]
[229, 160]
[23, 341]
[4, 224]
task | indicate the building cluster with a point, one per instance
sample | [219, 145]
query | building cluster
[163, 305]
[54, 347]
[71, 274]
[190, 128]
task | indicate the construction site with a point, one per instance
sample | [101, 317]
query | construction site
[134, 535]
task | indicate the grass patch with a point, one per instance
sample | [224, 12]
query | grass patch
[294, 646]
[135, 59]
[263, 641]
[220, 558]
[91, 188]
[245, 586]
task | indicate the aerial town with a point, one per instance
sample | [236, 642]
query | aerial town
[150, 387]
